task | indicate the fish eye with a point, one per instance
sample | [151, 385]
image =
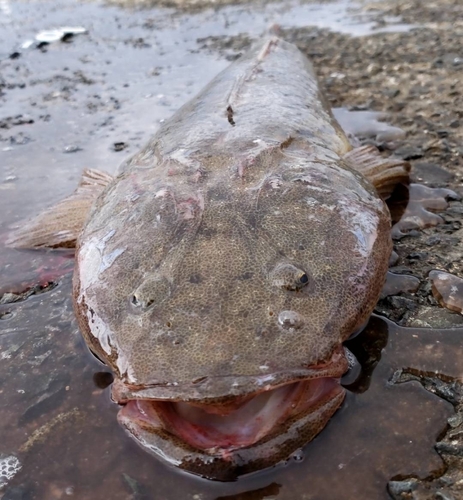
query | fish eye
[303, 279]
[289, 277]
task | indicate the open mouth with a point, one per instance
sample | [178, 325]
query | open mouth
[239, 424]
[217, 420]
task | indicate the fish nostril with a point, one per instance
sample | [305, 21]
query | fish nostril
[153, 290]
[290, 320]
[143, 303]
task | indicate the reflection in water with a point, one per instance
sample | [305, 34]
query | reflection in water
[48, 377]
[28, 272]
[268, 493]
[367, 349]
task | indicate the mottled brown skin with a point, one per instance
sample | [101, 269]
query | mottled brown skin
[234, 254]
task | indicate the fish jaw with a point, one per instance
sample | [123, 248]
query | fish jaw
[147, 424]
[234, 436]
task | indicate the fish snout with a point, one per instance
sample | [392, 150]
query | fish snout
[154, 290]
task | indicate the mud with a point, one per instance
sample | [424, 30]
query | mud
[93, 99]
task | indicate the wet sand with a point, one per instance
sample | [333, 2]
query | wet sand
[96, 98]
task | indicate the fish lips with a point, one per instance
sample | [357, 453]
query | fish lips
[223, 389]
[235, 434]
[261, 442]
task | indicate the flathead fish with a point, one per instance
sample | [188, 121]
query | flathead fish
[220, 271]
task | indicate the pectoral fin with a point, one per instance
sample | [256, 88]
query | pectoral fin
[383, 173]
[59, 226]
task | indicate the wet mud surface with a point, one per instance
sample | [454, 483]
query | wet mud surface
[93, 99]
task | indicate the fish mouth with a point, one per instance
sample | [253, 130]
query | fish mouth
[246, 432]
[218, 429]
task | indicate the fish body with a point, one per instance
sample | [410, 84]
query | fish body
[220, 271]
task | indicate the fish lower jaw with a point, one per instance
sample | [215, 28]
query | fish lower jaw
[218, 431]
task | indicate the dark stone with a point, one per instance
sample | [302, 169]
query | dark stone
[417, 256]
[409, 153]
[120, 146]
[19, 139]
[401, 269]
[391, 92]
[402, 303]
[433, 240]
[397, 489]
[12, 121]
[393, 259]
[430, 173]
[455, 209]
[441, 495]
[446, 481]
[4, 315]
[450, 449]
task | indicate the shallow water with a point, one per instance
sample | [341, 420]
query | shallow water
[116, 84]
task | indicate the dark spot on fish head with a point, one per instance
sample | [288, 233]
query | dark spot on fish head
[195, 278]
[246, 276]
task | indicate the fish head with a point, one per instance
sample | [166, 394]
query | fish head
[222, 308]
